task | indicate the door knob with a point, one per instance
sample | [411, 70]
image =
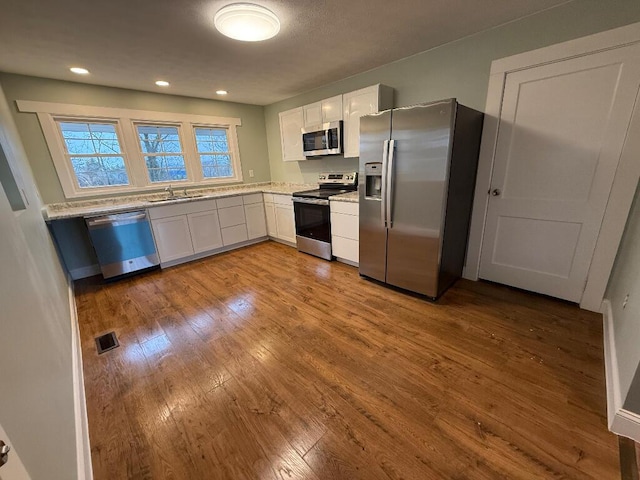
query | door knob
[4, 453]
[496, 192]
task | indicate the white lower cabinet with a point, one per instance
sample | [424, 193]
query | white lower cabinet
[285, 223]
[173, 238]
[205, 231]
[256, 223]
[270, 214]
[281, 224]
[345, 231]
[185, 230]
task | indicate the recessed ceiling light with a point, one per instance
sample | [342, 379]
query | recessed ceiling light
[79, 70]
[247, 22]
[221, 92]
[162, 83]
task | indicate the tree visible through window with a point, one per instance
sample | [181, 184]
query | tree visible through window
[162, 152]
[95, 154]
[213, 148]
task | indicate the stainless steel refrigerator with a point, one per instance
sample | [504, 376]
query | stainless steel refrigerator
[417, 177]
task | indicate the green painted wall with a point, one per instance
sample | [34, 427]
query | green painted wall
[251, 135]
[459, 69]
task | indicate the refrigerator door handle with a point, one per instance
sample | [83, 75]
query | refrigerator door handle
[389, 186]
[383, 193]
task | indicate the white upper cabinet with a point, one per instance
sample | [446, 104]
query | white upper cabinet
[327, 110]
[348, 107]
[291, 123]
[312, 114]
[356, 104]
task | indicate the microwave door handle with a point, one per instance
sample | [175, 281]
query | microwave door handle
[390, 173]
[383, 193]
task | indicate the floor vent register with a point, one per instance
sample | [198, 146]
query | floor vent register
[107, 342]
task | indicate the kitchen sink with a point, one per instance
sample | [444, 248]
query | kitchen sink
[172, 199]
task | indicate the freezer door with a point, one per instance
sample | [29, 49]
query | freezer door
[375, 131]
[422, 137]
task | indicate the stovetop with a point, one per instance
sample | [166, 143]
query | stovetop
[331, 184]
[323, 193]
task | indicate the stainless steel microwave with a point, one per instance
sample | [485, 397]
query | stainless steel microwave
[324, 139]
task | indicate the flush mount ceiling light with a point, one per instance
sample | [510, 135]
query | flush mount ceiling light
[221, 92]
[247, 22]
[79, 70]
[162, 83]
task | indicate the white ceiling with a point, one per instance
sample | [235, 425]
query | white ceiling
[133, 43]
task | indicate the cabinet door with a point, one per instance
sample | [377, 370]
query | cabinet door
[291, 123]
[205, 231]
[312, 114]
[332, 109]
[270, 214]
[285, 222]
[256, 223]
[236, 234]
[356, 104]
[173, 238]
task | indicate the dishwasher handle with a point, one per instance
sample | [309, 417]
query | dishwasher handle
[116, 219]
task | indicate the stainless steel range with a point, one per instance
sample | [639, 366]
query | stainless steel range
[313, 219]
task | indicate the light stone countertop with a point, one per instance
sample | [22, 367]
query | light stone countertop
[106, 206]
[351, 197]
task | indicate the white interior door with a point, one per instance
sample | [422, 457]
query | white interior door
[562, 129]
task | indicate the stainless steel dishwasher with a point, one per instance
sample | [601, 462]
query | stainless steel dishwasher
[123, 242]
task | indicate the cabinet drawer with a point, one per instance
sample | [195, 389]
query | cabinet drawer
[345, 248]
[268, 197]
[231, 216]
[346, 226]
[181, 209]
[282, 199]
[230, 201]
[202, 206]
[348, 208]
[237, 234]
[252, 198]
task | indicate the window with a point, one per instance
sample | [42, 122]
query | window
[162, 153]
[104, 150]
[94, 152]
[213, 148]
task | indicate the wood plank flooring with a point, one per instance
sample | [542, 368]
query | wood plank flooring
[265, 363]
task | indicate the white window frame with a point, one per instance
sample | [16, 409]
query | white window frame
[63, 162]
[235, 163]
[126, 121]
[181, 135]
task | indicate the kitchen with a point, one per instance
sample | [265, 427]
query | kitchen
[459, 69]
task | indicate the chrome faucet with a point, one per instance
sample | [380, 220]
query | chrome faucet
[170, 190]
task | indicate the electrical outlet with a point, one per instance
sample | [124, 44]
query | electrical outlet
[626, 300]
[251, 173]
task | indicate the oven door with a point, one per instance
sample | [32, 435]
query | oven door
[313, 218]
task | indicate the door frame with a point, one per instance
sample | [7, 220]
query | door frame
[626, 176]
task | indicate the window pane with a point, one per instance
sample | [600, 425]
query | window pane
[215, 158]
[90, 138]
[163, 168]
[100, 171]
[155, 139]
[86, 144]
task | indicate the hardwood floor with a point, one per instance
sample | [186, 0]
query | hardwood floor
[266, 363]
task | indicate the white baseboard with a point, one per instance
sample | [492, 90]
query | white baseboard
[83, 448]
[348, 262]
[621, 422]
[84, 272]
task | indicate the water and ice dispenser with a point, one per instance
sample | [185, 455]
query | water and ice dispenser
[373, 180]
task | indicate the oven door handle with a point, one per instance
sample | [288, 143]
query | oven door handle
[313, 201]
